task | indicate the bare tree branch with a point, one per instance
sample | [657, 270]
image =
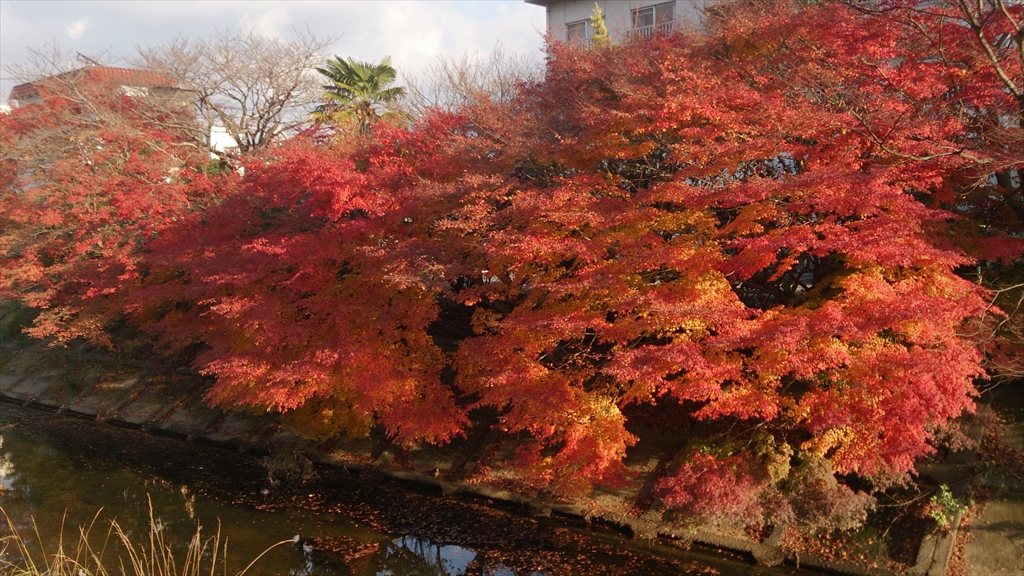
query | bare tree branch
[255, 88]
[451, 83]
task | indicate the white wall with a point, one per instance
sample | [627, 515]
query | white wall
[618, 14]
[220, 140]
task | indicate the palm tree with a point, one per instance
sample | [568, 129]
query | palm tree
[358, 90]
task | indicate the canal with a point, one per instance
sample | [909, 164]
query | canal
[58, 473]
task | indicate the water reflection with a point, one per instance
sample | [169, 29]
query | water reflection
[409, 556]
[56, 490]
[47, 486]
[417, 556]
[7, 473]
[57, 473]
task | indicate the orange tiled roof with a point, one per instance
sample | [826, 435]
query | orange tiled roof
[98, 74]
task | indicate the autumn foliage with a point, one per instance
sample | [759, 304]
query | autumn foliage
[773, 223]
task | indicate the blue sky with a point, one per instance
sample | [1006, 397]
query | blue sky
[414, 32]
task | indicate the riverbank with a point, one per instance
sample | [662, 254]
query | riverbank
[168, 402]
[71, 467]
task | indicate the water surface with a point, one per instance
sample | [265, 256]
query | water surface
[59, 473]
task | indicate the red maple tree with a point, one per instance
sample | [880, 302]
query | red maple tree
[89, 177]
[769, 224]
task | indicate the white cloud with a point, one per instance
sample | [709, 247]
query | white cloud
[416, 34]
[273, 24]
[76, 28]
[413, 33]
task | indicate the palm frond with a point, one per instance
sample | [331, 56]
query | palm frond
[359, 90]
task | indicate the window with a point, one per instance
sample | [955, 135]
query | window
[26, 100]
[579, 32]
[135, 91]
[656, 19]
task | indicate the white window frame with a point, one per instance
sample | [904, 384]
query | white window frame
[571, 34]
[662, 18]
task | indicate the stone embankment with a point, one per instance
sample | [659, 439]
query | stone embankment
[170, 402]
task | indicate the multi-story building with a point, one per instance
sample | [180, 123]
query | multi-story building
[569, 20]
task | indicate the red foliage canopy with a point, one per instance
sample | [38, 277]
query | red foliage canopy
[763, 223]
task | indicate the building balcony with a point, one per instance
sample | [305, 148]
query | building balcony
[641, 32]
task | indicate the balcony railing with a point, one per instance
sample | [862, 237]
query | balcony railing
[648, 31]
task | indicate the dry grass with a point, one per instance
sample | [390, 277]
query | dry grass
[115, 554]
